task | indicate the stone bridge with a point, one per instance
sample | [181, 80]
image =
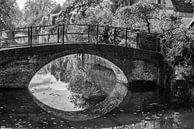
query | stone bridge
[19, 64]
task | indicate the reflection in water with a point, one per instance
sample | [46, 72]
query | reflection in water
[79, 87]
[86, 92]
[18, 110]
[57, 95]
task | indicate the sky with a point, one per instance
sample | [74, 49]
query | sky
[21, 2]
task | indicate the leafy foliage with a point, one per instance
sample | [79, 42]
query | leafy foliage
[36, 9]
[177, 40]
[8, 12]
[139, 14]
[117, 4]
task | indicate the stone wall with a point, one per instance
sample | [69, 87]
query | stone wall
[18, 66]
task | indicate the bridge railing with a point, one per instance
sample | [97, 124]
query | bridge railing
[72, 33]
[14, 37]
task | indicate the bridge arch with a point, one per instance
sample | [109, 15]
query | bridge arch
[37, 56]
[93, 61]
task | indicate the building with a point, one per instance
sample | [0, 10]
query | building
[179, 8]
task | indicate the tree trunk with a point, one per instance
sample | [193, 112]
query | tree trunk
[148, 25]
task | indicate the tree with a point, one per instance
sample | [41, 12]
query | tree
[75, 8]
[117, 4]
[100, 14]
[177, 40]
[179, 46]
[17, 18]
[8, 9]
[36, 9]
[141, 13]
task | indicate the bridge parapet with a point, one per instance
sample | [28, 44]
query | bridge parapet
[72, 33]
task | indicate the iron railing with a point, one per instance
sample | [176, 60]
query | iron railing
[68, 34]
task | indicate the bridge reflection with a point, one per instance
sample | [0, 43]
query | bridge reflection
[79, 87]
[18, 110]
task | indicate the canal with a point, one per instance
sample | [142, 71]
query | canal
[18, 110]
[71, 93]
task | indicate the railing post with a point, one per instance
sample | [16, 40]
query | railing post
[126, 36]
[137, 40]
[97, 31]
[30, 36]
[115, 35]
[88, 33]
[58, 32]
[158, 44]
[13, 35]
[63, 33]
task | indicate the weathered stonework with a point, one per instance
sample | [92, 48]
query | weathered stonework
[18, 66]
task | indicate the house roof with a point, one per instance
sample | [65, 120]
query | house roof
[191, 24]
[188, 21]
[181, 6]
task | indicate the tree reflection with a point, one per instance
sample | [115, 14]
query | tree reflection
[78, 101]
[86, 91]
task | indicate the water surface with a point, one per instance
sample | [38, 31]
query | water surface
[18, 110]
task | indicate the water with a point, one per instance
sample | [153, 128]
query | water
[77, 100]
[18, 110]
